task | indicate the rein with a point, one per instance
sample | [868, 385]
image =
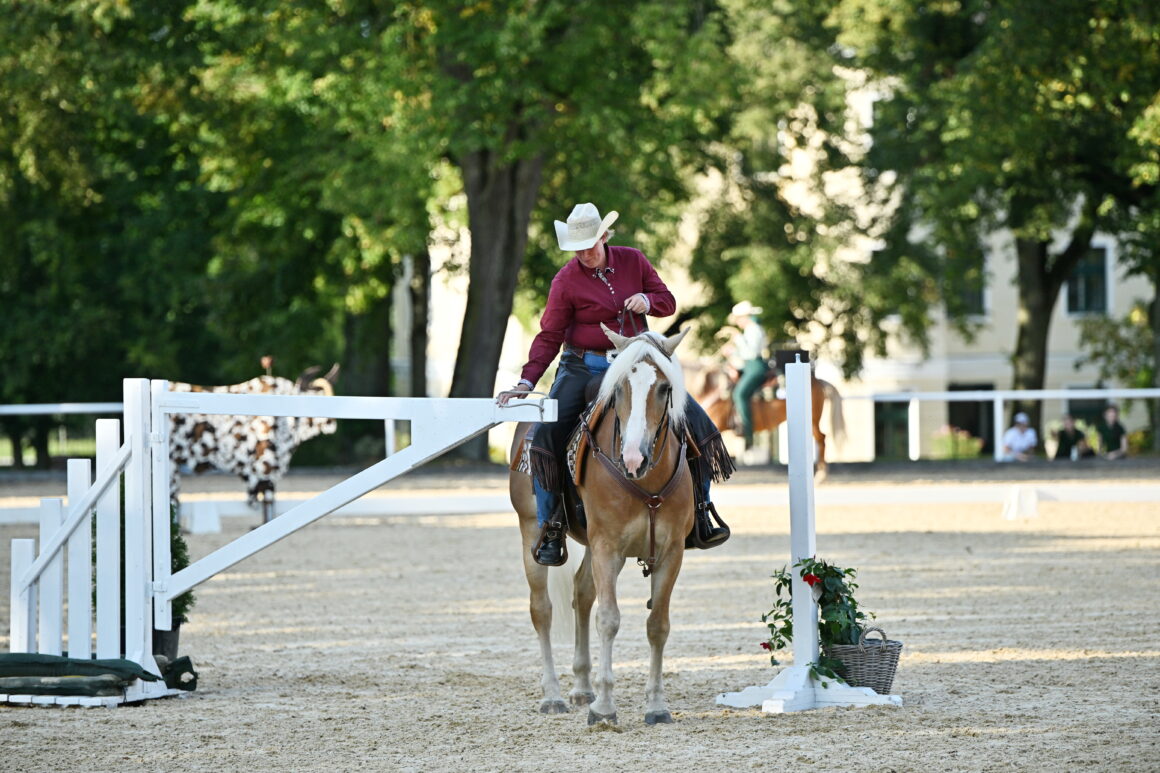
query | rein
[652, 501]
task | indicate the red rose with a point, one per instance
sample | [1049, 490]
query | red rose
[766, 645]
[812, 579]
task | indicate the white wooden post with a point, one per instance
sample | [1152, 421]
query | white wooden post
[998, 422]
[108, 575]
[801, 505]
[794, 689]
[22, 636]
[160, 466]
[138, 537]
[51, 581]
[80, 566]
[913, 430]
[390, 436]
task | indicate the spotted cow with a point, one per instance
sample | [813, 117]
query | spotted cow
[257, 448]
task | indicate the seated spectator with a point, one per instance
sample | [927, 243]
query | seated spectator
[1072, 441]
[1019, 441]
[1113, 436]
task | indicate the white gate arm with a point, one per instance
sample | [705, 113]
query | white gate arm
[438, 425]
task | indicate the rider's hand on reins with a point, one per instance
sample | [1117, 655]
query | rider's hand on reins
[637, 304]
[518, 390]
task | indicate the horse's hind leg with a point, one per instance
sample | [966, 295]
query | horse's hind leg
[820, 470]
[656, 708]
[606, 566]
[585, 595]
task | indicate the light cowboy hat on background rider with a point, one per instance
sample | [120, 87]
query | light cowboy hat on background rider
[745, 309]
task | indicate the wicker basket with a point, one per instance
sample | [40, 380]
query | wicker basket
[868, 663]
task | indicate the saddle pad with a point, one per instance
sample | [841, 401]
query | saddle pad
[575, 448]
[521, 461]
[578, 443]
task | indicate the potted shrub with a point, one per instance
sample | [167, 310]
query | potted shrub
[847, 654]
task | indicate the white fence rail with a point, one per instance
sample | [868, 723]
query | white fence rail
[999, 398]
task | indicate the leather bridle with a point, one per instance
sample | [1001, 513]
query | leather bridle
[652, 501]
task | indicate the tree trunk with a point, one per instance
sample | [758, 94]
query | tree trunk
[420, 289]
[367, 362]
[1040, 278]
[366, 370]
[40, 429]
[16, 437]
[500, 197]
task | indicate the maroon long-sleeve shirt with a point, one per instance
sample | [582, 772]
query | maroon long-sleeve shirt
[579, 301]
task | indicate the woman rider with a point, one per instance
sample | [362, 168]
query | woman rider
[616, 286]
[748, 363]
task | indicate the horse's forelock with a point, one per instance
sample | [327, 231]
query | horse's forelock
[639, 350]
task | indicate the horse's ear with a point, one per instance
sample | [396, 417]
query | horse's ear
[307, 376]
[669, 345]
[617, 340]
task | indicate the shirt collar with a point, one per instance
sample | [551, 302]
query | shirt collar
[609, 264]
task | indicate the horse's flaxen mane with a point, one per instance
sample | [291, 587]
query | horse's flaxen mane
[636, 351]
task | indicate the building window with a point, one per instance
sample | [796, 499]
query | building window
[971, 295]
[891, 431]
[1087, 287]
[977, 418]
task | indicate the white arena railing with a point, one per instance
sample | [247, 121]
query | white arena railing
[999, 398]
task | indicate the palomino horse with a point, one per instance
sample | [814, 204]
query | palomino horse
[717, 399]
[638, 500]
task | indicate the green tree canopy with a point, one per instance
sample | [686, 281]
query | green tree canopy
[1031, 116]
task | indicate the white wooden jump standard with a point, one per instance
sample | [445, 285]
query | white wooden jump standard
[37, 605]
[793, 689]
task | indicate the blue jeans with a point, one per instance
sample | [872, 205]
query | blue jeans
[546, 500]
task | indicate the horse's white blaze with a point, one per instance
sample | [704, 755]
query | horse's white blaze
[640, 380]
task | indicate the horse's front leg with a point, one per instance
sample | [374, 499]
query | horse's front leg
[585, 595]
[606, 566]
[656, 707]
[541, 610]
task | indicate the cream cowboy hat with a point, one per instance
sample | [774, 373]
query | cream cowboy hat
[584, 227]
[745, 309]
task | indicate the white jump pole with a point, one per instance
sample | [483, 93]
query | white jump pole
[794, 689]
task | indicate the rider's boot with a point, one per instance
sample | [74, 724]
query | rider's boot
[550, 549]
[709, 530]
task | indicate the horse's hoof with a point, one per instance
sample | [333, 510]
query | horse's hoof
[658, 718]
[554, 707]
[582, 698]
[594, 718]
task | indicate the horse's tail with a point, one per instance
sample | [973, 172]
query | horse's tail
[837, 419]
[561, 587]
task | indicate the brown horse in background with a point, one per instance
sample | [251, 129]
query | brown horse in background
[716, 397]
[638, 501]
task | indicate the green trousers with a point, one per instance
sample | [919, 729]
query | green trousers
[751, 377]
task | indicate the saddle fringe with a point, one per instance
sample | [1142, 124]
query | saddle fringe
[546, 469]
[713, 457]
